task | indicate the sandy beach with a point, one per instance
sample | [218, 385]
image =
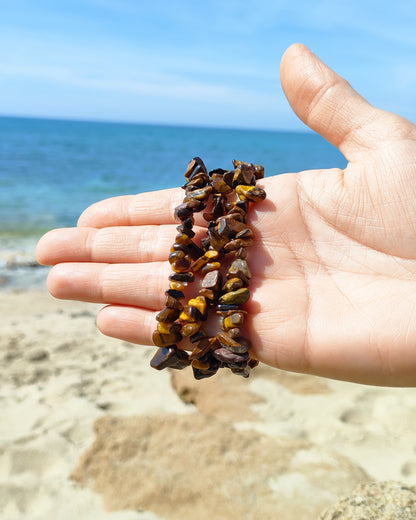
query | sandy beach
[89, 430]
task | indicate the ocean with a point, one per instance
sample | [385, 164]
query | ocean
[51, 170]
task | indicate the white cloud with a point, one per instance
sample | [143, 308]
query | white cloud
[168, 87]
[211, 54]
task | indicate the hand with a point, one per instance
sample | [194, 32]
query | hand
[334, 258]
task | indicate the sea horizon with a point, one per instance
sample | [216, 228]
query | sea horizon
[52, 169]
[305, 130]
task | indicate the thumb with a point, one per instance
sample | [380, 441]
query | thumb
[330, 106]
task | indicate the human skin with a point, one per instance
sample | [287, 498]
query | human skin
[333, 291]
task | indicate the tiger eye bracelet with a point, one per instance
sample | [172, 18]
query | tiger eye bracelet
[220, 264]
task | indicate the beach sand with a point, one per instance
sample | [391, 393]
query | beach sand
[89, 430]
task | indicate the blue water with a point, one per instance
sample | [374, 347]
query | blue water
[51, 170]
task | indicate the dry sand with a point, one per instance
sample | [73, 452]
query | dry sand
[89, 430]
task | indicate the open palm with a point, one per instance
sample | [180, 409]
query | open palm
[334, 258]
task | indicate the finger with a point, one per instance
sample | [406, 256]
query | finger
[107, 245]
[151, 208]
[127, 323]
[330, 106]
[141, 285]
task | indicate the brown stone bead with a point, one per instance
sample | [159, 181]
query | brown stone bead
[227, 226]
[182, 277]
[178, 286]
[237, 178]
[168, 328]
[199, 180]
[191, 166]
[195, 165]
[203, 346]
[233, 320]
[173, 293]
[182, 238]
[238, 297]
[190, 314]
[225, 340]
[169, 357]
[200, 363]
[228, 177]
[173, 303]
[205, 243]
[244, 173]
[236, 243]
[208, 256]
[223, 309]
[189, 329]
[210, 266]
[232, 284]
[238, 205]
[237, 213]
[199, 335]
[165, 328]
[168, 315]
[194, 251]
[233, 245]
[176, 255]
[237, 163]
[182, 211]
[187, 223]
[226, 356]
[241, 253]
[218, 207]
[234, 333]
[185, 228]
[202, 374]
[253, 363]
[216, 240]
[165, 340]
[228, 313]
[244, 233]
[258, 170]
[219, 185]
[252, 193]
[237, 346]
[201, 165]
[181, 265]
[237, 268]
[209, 294]
[243, 371]
[179, 247]
[218, 171]
[194, 203]
[200, 194]
[212, 280]
[200, 303]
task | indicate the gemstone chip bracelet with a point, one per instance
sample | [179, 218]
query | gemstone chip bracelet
[219, 263]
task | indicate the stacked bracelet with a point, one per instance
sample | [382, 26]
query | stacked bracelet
[221, 254]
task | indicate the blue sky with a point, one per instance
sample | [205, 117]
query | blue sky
[210, 63]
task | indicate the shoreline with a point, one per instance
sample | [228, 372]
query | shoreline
[19, 268]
